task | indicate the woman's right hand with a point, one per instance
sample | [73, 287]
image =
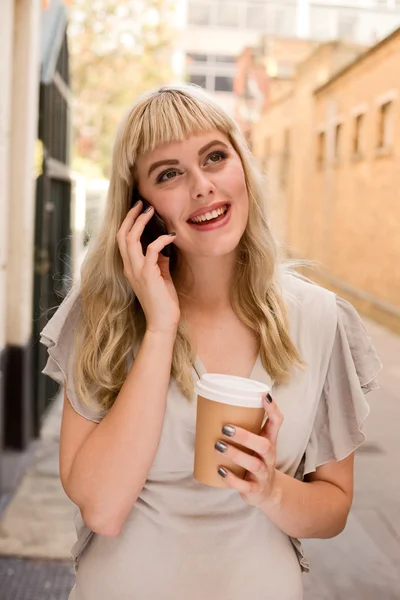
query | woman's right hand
[149, 275]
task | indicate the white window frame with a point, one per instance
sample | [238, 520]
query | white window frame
[211, 69]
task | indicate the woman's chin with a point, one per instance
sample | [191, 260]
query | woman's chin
[215, 251]
[215, 247]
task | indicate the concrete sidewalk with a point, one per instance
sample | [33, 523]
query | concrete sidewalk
[38, 521]
[361, 563]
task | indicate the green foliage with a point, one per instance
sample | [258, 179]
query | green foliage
[118, 50]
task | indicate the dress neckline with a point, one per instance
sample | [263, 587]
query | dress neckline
[258, 372]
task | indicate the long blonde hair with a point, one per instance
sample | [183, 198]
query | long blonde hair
[111, 322]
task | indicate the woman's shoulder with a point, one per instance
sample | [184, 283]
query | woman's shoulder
[65, 316]
[319, 314]
[314, 312]
[59, 338]
[304, 296]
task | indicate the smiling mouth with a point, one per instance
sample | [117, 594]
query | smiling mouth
[210, 217]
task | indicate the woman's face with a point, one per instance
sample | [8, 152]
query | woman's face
[198, 188]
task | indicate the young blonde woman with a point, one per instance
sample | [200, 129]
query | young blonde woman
[131, 340]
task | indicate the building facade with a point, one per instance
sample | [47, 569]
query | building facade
[264, 74]
[356, 191]
[33, 138]
[330, 149]
[357, 21]
[212, 33]
[19, 94]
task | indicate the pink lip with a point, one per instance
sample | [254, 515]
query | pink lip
[206, 209]
[213, 225]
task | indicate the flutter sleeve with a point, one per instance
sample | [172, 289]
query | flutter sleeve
[59, 337]
[342, 409]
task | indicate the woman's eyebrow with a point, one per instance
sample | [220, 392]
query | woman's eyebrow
[210, 144]
[167, 161]
[174, 161]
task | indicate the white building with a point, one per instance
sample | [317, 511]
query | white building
[35, 110]
[361, 21]
[214, 32]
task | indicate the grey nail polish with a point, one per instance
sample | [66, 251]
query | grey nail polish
[148, 209]
[228, 430]
[136, 203]
[223, 472]
[221, 447]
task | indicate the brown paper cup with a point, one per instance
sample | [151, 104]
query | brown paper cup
[212, 414]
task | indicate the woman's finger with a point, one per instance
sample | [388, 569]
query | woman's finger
[130, 219]
[123, 231]
[134, 246]
[241, 485]
[140, 223]
[274, 421]
[261, 445]
[252, 463]
[154, 249]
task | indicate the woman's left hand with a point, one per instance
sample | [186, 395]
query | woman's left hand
[259, 481]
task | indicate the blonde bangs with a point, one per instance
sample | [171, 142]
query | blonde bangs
[173, 117]
[170, 115]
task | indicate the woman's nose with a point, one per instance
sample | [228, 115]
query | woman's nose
[201, 186]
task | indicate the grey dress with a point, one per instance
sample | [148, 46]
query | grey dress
[186, 540]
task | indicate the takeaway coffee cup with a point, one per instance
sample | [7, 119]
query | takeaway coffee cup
[223, 400]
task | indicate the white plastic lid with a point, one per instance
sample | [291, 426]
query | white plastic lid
[230, 389]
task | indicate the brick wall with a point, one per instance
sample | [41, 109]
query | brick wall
[329, 200]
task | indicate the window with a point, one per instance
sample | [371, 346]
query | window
[321, 149]
[267, 153]
[385, 125]
[280, 21]
[198, 80]
[220, 59]
[347, 27]
[388, 3]
[358, 135]
[199, 13]
[223, 83]
[224, 59]
[191, 57]
[215, 72]
[227, 15]
[255, 18]
[285, 159]
[286, 141]
[338, 136]
[320, 23]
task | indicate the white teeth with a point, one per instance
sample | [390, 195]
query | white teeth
[210, 215]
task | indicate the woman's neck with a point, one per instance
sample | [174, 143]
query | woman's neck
[204, 284]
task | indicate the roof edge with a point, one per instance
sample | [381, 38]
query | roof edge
[363, 56]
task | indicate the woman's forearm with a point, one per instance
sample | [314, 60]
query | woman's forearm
[316, 509]
[112, 465]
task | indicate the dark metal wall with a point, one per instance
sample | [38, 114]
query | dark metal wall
[52, 268]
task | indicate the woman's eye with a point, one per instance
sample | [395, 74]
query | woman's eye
[167, 175]
[217, 156]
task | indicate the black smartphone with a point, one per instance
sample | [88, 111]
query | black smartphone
[154, 228]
